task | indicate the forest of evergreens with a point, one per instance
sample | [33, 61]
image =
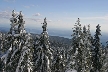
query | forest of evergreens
[21, 51]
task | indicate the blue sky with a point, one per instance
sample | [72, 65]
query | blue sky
[60, 14]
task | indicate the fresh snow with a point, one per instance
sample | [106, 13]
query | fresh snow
[4, 57]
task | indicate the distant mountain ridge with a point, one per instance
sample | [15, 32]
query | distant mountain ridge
[51, 38]
[56, 39]
[56, 35]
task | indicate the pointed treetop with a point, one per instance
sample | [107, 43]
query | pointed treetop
[88, 26]
[84, 26]
[84, 29]
[20, 14]
[45, 20]
[13, 13]
[44, 24]
[78, 20]
[98, 26]
[98, 29]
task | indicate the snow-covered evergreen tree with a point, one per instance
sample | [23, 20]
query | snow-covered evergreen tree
[104, 59]
[43, 52]
[18, 57]
[1, 47]
[59, 60]
[3, 42]
[77, 48]
[97, 51]
[87, 50]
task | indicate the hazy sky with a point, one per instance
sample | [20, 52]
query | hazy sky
[59, 13]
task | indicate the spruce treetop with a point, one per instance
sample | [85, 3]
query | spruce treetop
[44, 24]
[98, 30]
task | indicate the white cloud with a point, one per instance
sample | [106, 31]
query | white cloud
[49, 20]
[27, 6]
[5, 14]
[67, 23]
[37, 20]
[37, 14]
[94, 18]
[32, 5]
[10, 0]
[105, 17]
[33, 20]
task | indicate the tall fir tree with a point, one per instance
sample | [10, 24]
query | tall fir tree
[97, 51]
[77, 47]
[87, 50]
[18, 57]
[43, 52]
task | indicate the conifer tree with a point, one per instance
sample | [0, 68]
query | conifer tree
[2, 48]
[97, 51]
[87, 50]
[104, 59]
[77, 47]
[18, 57]
[43, 51]
[59, 61]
